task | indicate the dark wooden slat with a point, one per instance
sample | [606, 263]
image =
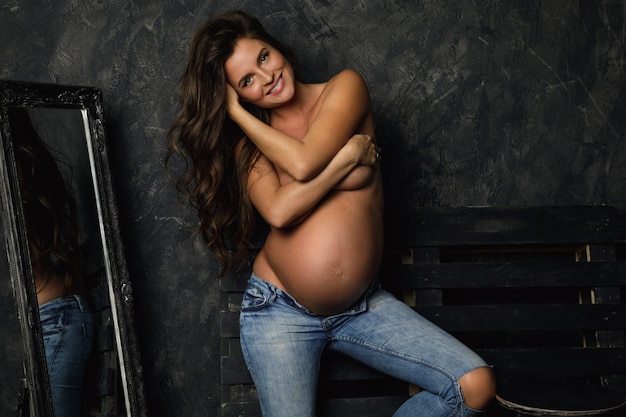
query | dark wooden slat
[236, 282]
[557, 361]
[542, 361]
[556, 317]
[229, 324]
[365, 406]
[504, 225]
[506, 275]
[234, 370]
[503, 317]
[239, 409]
[338, 407]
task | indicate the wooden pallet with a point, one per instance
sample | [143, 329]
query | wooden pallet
[535, 291]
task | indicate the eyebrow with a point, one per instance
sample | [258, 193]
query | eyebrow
[263, 50]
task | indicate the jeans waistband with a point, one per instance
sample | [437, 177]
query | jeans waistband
[276, 292]
[359, 305]
[74, 300]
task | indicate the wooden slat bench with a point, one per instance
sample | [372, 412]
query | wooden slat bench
[535, 291]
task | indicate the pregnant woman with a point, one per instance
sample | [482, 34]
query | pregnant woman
[303, 156]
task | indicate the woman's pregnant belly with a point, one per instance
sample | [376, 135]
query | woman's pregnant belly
[328, 260]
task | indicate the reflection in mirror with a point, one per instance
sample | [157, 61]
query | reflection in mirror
[47, 147]
[65, 258]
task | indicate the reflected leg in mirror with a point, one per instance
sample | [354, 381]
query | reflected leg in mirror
[67, 326]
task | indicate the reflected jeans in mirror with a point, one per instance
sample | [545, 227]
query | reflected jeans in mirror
[67, 326]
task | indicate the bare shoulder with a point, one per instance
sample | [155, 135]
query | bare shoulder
[347, 84]
[347, 78]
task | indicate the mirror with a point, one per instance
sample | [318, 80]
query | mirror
[62, 260]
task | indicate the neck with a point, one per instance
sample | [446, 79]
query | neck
[304, 98]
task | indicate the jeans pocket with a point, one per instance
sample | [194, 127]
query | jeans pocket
[53, 322]
[253, 299]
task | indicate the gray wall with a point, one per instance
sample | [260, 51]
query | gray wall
[476, 102]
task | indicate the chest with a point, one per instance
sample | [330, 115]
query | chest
[296, 127]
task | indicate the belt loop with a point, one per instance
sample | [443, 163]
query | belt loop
[81, 302]
[273, 291]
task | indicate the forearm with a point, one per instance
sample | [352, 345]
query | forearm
[292, 201]
[339, 111]
[290, 154]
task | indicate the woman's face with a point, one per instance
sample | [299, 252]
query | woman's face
[260, 74]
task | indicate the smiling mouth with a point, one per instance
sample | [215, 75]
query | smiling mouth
[277, 86]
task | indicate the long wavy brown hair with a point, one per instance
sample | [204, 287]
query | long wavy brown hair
[50, 211]
[214, 175]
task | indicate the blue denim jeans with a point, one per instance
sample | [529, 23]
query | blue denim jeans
[282, 343]
[67, 325]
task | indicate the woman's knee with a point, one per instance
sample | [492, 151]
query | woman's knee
[478, 387]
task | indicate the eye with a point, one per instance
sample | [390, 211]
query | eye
[246, 81]
[264, 57]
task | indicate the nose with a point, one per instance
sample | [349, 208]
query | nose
[267, 76]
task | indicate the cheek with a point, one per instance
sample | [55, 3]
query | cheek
[252, 94]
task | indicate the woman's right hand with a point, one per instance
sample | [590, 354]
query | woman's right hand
[232, 101]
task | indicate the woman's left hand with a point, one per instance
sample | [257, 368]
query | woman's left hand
[366, 151]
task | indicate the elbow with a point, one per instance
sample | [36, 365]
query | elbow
[279, 218]
[284, 218]
[303, 171]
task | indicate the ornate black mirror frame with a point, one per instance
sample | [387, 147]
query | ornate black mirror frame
[128, 374]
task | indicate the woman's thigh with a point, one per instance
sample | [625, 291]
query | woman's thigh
[391, 337]
[282, 346]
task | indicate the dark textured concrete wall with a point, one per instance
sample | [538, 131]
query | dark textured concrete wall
[477, 103]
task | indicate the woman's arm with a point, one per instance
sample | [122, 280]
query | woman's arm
[285, 205]
[345, 105]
